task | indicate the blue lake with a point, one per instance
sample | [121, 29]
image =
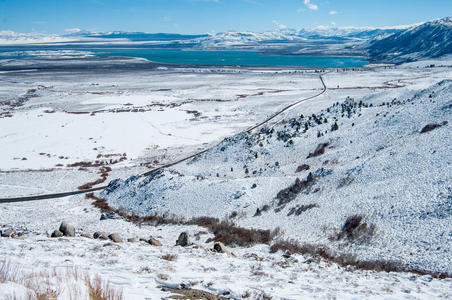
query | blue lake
[199, 57]
[242, 58]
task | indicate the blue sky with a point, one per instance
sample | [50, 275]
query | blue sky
[202, 16]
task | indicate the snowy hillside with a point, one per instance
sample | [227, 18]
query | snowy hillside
[385, 161]
[430, 39]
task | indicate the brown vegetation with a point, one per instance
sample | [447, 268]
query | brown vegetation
[356, 230]
[290, 193]
[344, 260]
[319, 150]
[298, 210]
[302, 167]
[226, 232]
[430, 127]
[169, 257]
[45, 285]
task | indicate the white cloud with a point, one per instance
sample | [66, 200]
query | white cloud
[310, 5]
[73, 30]
[255, 2]
[333, 12]
[333, 23]
[280, 26]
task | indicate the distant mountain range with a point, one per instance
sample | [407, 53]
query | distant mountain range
[388, 44]
[431, 39]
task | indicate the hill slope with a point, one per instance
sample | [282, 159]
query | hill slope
[307, 178]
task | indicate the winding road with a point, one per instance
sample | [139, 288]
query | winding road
[249, 130]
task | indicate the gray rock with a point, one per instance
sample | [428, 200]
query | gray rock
[9, 232]
[100, 235]
[183, 240]
[57, 234]
[67, 229]
[109, 244]
[86, 235]
[154, 242]
[115, 237]
[108, 216]
[221, 248]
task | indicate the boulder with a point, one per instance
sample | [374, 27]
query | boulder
[115, 237]
[86, 235]
[100, 235]
[154, 242]
[183, 240]
[67, 229]
[56, 234]
[8, 232]
[221, 248]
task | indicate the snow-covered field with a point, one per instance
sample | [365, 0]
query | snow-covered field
[377, 164]
[52, 120]
[140, 269]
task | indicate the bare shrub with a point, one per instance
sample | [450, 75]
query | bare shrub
[354, 229]
[169, 257]
[302, 167]
[346, 181]
[430, 127]
[298, 210]
[290, 193]
[319, 150]
[49, 284]
[99, 202]
[347, 259]
[229, 234]
[101, 290]
[259, 211]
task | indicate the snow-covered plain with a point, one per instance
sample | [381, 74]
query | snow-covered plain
[376, 164]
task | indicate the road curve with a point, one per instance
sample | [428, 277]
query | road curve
[267, 120]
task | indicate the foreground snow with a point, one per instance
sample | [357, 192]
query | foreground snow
[140, 269]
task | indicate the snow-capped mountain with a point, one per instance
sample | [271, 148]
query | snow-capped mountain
[428, 40]
[385, 44]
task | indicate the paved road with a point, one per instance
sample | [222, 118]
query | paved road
[264, 122]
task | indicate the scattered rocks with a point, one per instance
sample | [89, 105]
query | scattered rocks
[132, 240]
[154, 242]
[67, 229]
[100, 235]
[8, 232]
[183, 240]
[115, 237]
[56, 234]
